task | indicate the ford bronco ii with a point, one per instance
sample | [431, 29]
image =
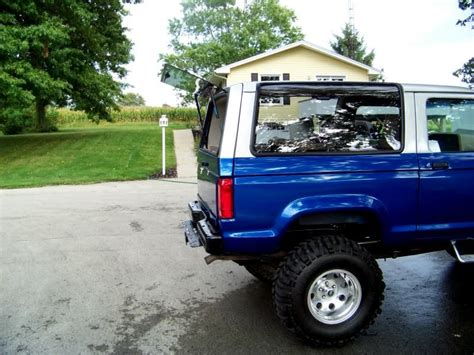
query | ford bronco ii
[306, 184]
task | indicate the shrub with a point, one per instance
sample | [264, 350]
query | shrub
[15, 121]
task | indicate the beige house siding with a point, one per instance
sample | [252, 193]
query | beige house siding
[302, 64]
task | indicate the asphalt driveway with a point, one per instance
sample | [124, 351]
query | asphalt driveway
[104, 269]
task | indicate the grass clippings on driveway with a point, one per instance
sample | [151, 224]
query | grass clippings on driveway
[84, 155]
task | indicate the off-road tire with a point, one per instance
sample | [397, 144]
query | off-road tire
[264, 271]
[297, 273]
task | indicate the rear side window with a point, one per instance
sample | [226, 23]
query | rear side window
[214, 126]
[328, 118]
[450, 125]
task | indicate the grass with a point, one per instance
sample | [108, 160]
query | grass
[85, 153]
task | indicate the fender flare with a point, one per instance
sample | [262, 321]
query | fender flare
[331, 203]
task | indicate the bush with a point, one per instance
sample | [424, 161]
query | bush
[12, 127]
[16, 121]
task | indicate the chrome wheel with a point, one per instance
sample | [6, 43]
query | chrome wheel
[334, 296]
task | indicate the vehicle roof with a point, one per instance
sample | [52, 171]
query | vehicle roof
[251, 85]
[435, 88]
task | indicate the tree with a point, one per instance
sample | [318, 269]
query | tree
[466, 72]
[61, 52]
[131, 99]
[213, 33]
[351, 45]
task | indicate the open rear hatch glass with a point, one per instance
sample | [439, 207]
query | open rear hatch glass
[212, 129]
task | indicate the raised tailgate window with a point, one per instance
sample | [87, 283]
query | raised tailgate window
[329, 118]
[214, 127]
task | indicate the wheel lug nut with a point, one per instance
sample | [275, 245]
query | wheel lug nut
[333, 286]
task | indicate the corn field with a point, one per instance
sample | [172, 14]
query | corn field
[127, 114]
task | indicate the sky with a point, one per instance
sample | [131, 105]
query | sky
[414, 41]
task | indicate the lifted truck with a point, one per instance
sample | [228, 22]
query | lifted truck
[306, 184]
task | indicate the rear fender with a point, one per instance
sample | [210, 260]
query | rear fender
[353, 203]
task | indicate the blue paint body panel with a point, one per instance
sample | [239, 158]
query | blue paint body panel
[446, 208]
[271, 192]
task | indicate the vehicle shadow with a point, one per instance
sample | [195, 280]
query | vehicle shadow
[459, 283]
[423, 312]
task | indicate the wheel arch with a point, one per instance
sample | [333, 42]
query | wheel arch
[309, 217]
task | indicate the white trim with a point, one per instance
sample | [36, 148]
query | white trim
[229, 136]
[410, 143]
[226, 69]
[244, 134]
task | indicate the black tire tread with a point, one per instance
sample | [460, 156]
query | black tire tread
[294, 264]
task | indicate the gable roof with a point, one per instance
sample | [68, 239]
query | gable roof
[226, 69]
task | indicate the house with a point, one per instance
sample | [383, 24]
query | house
[298, 61]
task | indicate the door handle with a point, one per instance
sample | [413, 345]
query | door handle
[204, 163]
[440, 165]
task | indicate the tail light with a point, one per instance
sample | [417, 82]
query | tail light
[225, 198]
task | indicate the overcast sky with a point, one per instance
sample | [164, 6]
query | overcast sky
[414, 41]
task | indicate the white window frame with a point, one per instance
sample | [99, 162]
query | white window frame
[330, 78]
[279, 79]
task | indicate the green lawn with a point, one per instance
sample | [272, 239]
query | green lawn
[84, 154]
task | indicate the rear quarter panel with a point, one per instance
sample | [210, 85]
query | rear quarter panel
[270, 192]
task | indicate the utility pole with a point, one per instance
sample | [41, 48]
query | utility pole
[351, 15]
[352, 37]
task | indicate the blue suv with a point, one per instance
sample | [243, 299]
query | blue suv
[306, 184]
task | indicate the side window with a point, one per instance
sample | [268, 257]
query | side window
[214, 126]
[329, 118]
[450, 125]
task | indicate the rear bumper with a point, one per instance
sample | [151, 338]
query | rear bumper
[199, 232]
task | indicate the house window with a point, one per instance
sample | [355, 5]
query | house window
[266, 100]
[270, 77]
[330, 78]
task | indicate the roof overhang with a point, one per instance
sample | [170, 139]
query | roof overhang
[373, 72]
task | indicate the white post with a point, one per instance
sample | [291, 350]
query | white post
[163, 124]
[164, 151]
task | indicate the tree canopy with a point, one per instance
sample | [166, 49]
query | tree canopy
[213, 33]
[351, 44]
[466, 72]
[62, 52]
[131, 99]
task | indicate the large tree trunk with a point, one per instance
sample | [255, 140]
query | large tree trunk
[40, 115]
